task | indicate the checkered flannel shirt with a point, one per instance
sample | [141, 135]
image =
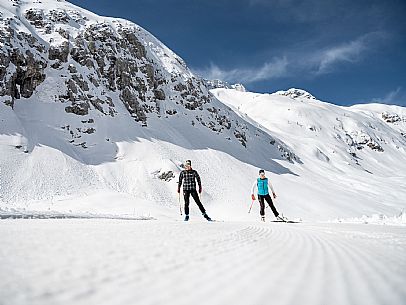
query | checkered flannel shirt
[189, 177]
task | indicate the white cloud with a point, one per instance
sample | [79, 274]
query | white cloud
[275, 68]
[327, 60]
[311, 63]
[345, 53]
[393, 97]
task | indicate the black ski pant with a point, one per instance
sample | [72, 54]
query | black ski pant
[269, 201]
[186, 195]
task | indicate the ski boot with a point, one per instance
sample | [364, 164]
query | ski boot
[281, 218]
[207, 217]
[187, 218]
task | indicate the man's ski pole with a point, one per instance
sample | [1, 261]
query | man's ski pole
[249, 211]
[180, 205]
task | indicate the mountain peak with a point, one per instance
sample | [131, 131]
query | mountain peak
[101, 78]
[296, 94]
[220, 84]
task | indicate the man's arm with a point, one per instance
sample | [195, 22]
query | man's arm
[180, 181]
[199, 182]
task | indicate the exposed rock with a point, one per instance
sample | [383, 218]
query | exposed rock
[166, 176]
[59, 52]
[133, 106]
[392, 117]
[159, 94]
[79, 109]
[296, 94]
[217, 84]
[35, 17]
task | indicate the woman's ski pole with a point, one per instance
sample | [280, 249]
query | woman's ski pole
[249, 211]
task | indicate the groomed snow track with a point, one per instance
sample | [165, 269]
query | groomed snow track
[74, 261]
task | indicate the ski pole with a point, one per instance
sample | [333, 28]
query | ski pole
[249, 211]
[180, 205]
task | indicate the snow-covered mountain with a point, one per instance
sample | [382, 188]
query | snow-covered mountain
[97, 115]
[352, 156]
[90, 104]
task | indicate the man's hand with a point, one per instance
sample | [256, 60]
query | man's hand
[274, 195]
[253, 197]
[200, 190]
[179, 190]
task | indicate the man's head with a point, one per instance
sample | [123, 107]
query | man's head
[188, 164]
[261, 173]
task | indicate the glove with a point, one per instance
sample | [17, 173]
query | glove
[179, 190]
[200, 190]
[253, 197]
[274, 195]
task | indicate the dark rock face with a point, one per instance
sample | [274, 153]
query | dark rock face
[36, 18]
[114, 58]
[59, 53]
[133, 106]
[360, 140]
[20, 72]
[392, 118]
[92, 66]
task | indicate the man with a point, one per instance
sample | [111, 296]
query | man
[263, 185]
[189, 188]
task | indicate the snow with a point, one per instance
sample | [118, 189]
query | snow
[113, 233]
[378, 219]
[330, 180]
[167, 262]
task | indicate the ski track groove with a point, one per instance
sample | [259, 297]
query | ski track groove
[378, 278]
[359, 265]
[199, 263]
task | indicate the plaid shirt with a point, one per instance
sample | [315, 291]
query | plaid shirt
[190, 177]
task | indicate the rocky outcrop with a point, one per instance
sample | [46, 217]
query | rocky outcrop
[392, 118]
[21, 70]
[296, 94]
[360, 140]
[96, 66]
[219, 84]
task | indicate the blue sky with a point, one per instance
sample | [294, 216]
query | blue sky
[344, 52]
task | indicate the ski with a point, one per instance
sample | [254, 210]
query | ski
[286, 221]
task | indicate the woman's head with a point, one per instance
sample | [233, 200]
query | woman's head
[261, 173]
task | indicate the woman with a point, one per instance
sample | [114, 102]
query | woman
[263, 185]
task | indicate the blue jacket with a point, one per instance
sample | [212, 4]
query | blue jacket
[263, 186]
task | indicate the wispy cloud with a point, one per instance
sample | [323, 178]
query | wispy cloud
[350, 52]
[325, 61]
[275, 68]
[395, 97]
[310, 63]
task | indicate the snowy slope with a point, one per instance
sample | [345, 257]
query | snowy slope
[97, 115]
[95, 110]
[353, 157]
